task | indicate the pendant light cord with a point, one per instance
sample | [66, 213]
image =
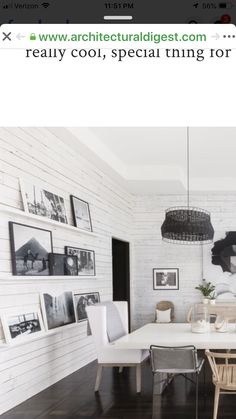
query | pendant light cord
[188, 167]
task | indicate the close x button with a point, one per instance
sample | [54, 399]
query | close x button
[6, 36]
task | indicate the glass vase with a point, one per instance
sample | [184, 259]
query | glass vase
[200, 319]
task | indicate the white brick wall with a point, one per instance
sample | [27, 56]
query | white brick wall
[149, 251]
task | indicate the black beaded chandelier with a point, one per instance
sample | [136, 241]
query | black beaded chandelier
[187, 225]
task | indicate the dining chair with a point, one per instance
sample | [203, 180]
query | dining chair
[179, 360]
[223, 375]
[101, 325]
[167, 305]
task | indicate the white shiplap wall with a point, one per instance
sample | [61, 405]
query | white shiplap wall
[149, 251]
[40, 157]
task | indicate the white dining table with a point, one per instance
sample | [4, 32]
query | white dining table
[177, 334]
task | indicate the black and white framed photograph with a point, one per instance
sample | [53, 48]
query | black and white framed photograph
[86, 260]
[21, 324]
[30, 247]
[82, 301]
[58, 309]
[60, 264]
[41, 202]
[81, 213]
[166, 279]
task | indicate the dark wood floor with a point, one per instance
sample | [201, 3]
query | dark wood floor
[74, 398]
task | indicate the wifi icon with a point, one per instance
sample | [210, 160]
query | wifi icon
[45, 5]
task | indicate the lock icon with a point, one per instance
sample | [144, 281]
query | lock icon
[32, 37]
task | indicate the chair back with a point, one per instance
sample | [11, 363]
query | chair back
[224, 373]
[98, 323]
[180, 359]
[166, 305]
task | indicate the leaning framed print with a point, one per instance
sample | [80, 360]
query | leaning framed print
[86, 260]
[60, 264]
[21, 324]
[81, 213]
[39, 201]
[82, 301]
[30, 247]
[166, 279]
[58, 309]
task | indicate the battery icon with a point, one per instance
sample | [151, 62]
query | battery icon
[226, 5]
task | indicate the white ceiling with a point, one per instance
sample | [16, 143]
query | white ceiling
[153, 160]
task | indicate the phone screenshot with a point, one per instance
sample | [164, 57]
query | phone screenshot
[117, 209]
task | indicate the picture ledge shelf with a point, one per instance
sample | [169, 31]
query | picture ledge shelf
[45, 220]
[48, 333]
[45, 277]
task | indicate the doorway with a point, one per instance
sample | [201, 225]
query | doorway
[121, 272]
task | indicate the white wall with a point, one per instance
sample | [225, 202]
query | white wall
[41, 158]
[149, 251]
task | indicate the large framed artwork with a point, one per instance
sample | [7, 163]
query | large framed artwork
[81, 213]
[86, 260]
[58, 309]
[22, 324]
[41, 202]
[63, 264]
[30, 247]
[166, 279]
[82, 301]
